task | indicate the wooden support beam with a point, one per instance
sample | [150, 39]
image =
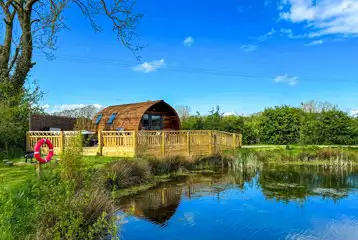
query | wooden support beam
[62, 142]
[188, 142]
[135, 143]
[28, 147]
[210, 143]
[100, 143]
[163, 143]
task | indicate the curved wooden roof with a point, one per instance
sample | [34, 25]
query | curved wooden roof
[128, 116]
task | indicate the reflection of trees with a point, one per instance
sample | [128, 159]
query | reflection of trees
[158, 205]
[287, 183]
[283, 183]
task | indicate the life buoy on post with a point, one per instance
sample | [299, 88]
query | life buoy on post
[37, 151]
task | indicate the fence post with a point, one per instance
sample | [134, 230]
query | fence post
[215, 143]
[234, 140]
[210, 143]
[28, 147]
[163, 143]
[188, 141]
[135, 143]
[100, 142]
[62, 142]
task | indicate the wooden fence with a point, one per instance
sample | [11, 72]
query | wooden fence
[145, 143]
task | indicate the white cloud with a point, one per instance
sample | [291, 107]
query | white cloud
[57, 108]
[148, 67]
[249, 47]
[354, 112]
[290, 80]
[315, 42]
[188, 41]
[230, 114]
[322, 17]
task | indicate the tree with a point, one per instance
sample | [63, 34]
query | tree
[328, 127]
[251, 131]
[183, 112]
[193, 123]
[84, 116]
[280, 125]
[213, 120]
[88, 111]
[39, 22]
[317, 106]
[14, 112]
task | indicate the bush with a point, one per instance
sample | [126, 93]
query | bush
[127, 173]
[167, 165]
[66, 214]
[17, 214]
[71, 162]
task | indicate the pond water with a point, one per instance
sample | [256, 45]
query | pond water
[274, 202]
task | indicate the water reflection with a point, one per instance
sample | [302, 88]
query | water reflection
[234, 201]
[287, 183]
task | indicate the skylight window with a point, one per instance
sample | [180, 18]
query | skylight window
[111, 118]
[99, 117]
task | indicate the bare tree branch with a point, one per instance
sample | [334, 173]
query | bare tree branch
[41, 20]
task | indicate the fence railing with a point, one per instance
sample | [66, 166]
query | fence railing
[151, 143]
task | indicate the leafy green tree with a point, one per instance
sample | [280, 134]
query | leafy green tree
[251, 130]
[193, 123]
[280, 125]
[14, 112]
[213, 120]
[234, 124]
[328, 127]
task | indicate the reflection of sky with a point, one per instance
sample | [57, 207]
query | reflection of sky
[247, 214]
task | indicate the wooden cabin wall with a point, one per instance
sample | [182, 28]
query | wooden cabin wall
[40, 122]
[169, 122]
[129, 116]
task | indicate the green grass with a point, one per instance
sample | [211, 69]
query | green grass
[22, 172]
[21, 194]
[294, 154]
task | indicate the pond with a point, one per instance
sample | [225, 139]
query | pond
[273, 202]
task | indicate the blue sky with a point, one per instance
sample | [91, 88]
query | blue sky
[241, 55]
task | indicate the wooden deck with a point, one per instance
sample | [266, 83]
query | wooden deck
[144, 143]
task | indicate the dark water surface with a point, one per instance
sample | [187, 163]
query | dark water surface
[276, 202]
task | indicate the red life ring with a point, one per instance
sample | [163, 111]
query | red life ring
[37, 151]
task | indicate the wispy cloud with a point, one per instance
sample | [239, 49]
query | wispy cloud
[148, 67]
[267, 3]
[58, 108]
[289, 33]
[265, 36]
[286, 79]
[315, 42]
[189, 41]
[322, 17]
[249, 47]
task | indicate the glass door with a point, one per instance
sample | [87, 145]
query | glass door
[152, 122]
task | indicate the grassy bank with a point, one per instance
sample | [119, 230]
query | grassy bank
[299, 155]
[75, 198]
